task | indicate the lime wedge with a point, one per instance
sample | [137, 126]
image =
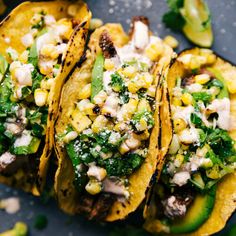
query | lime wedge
[198, 22]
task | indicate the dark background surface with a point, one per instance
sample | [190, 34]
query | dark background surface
[224, 26]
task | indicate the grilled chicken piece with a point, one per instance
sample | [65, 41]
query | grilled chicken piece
[139, 32]
[107, 46]
[175, 206]
[5, 160]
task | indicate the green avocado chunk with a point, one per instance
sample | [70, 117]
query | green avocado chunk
[224, 93]
[25, 150]
[197, 213]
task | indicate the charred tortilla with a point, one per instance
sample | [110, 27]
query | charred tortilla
[219, 205]
[106, 45]
[37, 54]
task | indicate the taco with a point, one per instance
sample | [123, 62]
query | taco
[36, 55]
[108, 126]
[196, 192]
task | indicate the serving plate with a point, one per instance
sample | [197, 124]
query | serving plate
[224, 25]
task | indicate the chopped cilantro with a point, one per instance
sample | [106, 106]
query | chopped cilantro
[195, 119]
[202, 96]
[118, 85]
[173, 19]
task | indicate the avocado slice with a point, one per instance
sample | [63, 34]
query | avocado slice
[198, 27]
[197, 213]
[25, 150]
[224, 93]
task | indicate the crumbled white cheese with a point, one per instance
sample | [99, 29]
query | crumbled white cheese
[11, 205]
[7, 40]
[27, 40]
[24, 140]
[47, 38]
[183, 113]
[114, 137]
[174, 146]
[13, 128]
[23, 74]
[188, 136]
[13, 53]
[107, 81]
[181, 178]
[61, 48]
[111, 105]
[96, 172]
[222, 107]
[194, 88]
[49, 19]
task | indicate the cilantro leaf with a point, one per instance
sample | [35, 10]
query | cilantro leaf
[173, 19]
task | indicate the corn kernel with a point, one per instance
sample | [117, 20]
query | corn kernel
[171, 41]
[208, 54]
[49, 50]
[72, 10]
[177, 102]
[179, 158]
[79, 121]
[97, 172]
[144, 136]
[179, 125]
[23, 58]
[207, 163]
[88, 109]
[99, 123]
[151, 91]
[95, 23]
[49, 83]
[109, 64]
[100, 98]
[146, 79]
[93, 187]
[133, 87]
[184, 147]
[214, 91]
[129, 71]
[129, 109]
[70, 136]
[187, 99]
[211, 59]
[143, 105]
[40, 97]
[154, 51]
[202, 78]
[120, 127]
[44, 69]
[231, 84]
[65, 28]
[85, 92]
[201, 152]
[123, 148]
[194, 63]
[213, 173]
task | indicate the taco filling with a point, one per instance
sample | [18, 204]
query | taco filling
[202, 151]
[107, 138]
[26, 79]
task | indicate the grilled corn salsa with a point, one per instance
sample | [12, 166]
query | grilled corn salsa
[202, 151]
[26, 80]
[108, 135]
